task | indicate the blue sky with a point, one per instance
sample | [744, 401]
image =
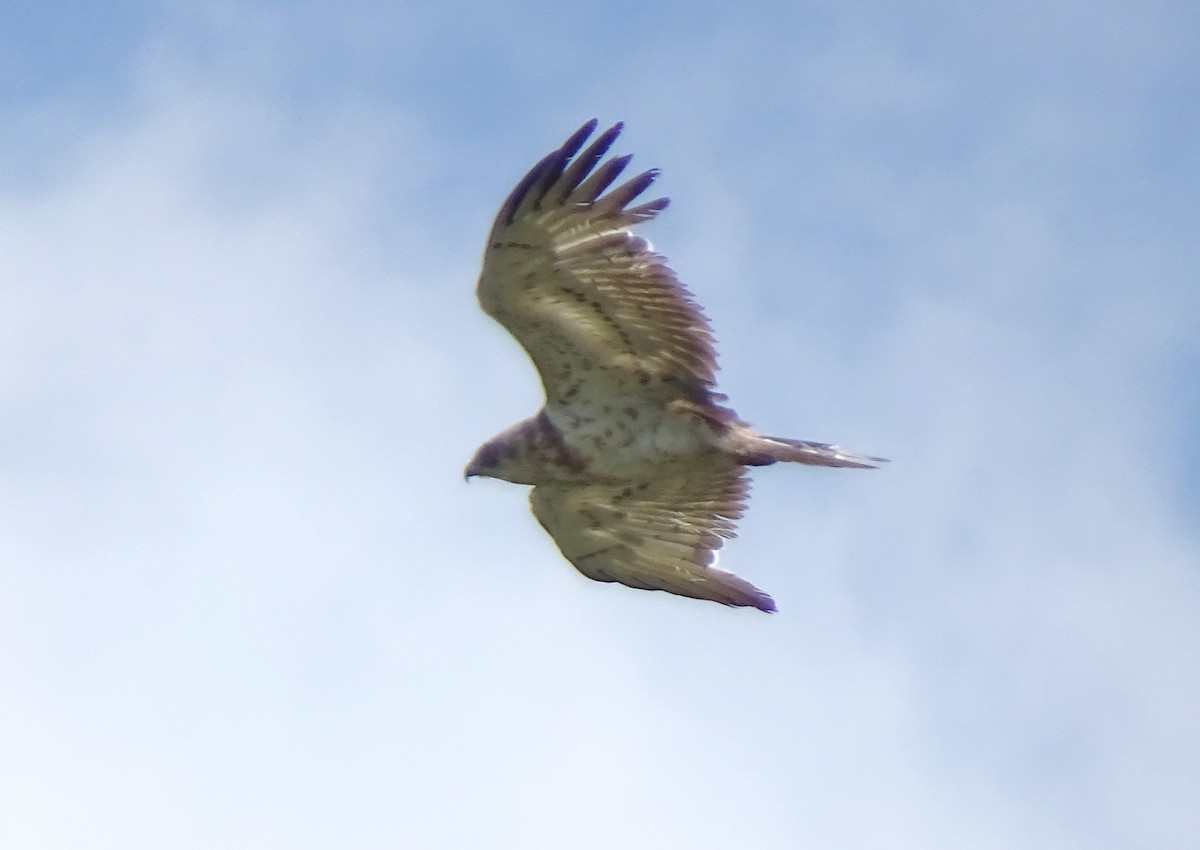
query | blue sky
[246, 599]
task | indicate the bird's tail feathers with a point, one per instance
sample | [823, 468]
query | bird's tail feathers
[766, 450]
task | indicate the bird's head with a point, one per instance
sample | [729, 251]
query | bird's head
[510, 456]
[485, 463]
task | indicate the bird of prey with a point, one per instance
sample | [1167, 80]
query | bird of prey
[637, 466]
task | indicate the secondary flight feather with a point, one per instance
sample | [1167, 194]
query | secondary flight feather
[637, 465]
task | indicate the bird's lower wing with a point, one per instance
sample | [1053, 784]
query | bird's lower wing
[659, 534]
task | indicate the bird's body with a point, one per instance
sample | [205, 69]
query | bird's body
[637, 465]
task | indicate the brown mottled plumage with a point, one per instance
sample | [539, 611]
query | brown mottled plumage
[637, 466]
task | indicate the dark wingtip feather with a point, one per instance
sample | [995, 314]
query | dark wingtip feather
[548, 169]
[600, 179]
[576, 140]
[619, 197]
[645, 211]
[574, 174]
[508, 210]
[566, 175]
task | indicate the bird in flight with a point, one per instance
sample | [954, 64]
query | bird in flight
[638, 468]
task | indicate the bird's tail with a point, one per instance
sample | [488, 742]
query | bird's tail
[762, 450]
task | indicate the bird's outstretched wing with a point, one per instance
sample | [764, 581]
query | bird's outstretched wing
[596, 309]
[659, 534]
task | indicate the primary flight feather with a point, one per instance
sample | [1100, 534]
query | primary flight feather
[637, 466]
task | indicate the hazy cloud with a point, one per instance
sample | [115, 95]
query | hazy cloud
[246, 599]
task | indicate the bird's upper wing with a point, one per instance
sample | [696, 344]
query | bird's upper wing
[592, 304]
[659, 534]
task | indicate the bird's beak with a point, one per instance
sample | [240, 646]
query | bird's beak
[469, 472]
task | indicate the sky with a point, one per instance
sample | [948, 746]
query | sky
[247, 600]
